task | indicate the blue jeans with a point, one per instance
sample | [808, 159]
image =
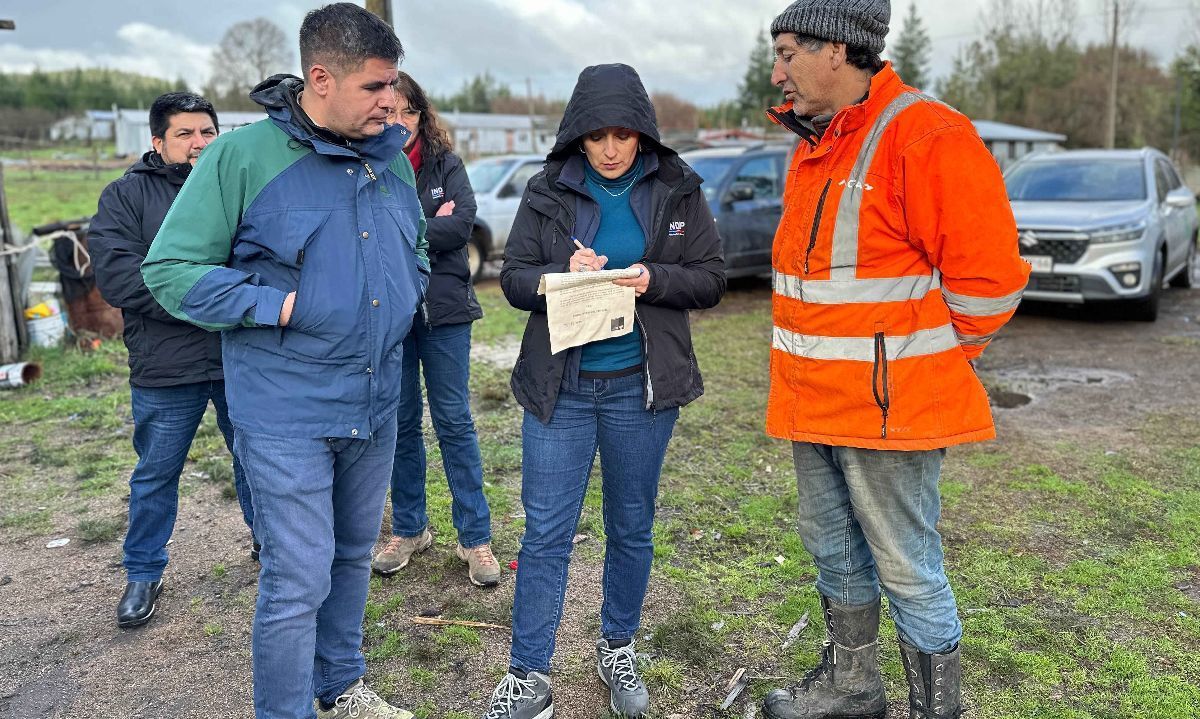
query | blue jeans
[869, 518]
[609, 415]
[318, 504]
[164, 424]
[444, 353]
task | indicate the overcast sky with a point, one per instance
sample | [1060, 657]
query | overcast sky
[696, 49]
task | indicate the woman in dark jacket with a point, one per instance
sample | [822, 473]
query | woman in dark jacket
[611, 186]
[440, 342]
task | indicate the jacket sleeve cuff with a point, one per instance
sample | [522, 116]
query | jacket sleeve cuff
[269, 305]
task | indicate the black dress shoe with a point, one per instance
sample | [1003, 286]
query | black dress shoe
[255, 551]
[137, 603]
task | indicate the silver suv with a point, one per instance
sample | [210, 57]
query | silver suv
[498, 183]
[1102, 225]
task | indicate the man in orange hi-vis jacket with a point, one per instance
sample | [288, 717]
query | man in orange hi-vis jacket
[895, 263]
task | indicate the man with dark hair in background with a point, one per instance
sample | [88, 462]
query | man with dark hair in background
[301, 238]
[174, 367]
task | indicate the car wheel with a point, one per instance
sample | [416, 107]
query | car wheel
[1185, 278]
[474, 258]
[1146, 309]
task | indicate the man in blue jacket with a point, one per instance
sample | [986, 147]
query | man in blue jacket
[301, 238]
[174, 367]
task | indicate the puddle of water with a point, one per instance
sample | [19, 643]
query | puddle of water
[1013, 388]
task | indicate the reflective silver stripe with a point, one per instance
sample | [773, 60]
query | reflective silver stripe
[974, 340]
[832, 292]
[981, 306]
[844, 254]
[862, 349]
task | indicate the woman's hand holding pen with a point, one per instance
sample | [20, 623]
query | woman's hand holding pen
[586, 259]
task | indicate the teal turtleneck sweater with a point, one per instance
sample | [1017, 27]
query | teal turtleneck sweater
[622, 240]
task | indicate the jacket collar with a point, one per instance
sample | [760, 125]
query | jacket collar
[280, 97]
[885, 86]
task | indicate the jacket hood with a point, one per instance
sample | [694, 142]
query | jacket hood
[152, 163]
[606, 96]
[280, 96]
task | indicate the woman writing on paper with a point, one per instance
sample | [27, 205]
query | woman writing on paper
[612, 186]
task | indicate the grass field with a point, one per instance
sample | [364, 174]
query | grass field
[1077, 569]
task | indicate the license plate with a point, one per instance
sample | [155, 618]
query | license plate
[1041, 263]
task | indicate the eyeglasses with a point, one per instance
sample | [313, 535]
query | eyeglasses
[409, 113]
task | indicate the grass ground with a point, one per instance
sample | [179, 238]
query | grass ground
[1077, 567]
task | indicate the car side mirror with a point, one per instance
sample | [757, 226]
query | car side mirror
[1179, 199]
[738, 192]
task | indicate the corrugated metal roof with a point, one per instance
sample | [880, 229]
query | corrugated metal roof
[991, 130]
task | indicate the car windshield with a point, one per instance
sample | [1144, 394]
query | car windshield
[486, 174]
[713, 170]
[1077, 181]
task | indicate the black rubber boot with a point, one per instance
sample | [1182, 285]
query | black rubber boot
[934, 682]
[846, 684]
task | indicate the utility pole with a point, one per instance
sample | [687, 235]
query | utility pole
[12, 317]
[532, 122]
[1110, 119]
[382, 8]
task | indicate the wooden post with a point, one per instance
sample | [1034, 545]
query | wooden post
[382, 8]
[10, 338]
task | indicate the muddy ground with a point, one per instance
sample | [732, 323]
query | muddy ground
[1073, 373]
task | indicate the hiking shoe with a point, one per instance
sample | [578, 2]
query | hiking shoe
[627, 695]
[482, 567]
[517, 698]
[360, 702]
[398, 551]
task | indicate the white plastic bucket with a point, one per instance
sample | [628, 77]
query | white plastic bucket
[21, 373]
[47, 331]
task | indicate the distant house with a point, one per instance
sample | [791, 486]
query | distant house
[476, 133]
[132, 128]
[91, 125]
[1009, 143]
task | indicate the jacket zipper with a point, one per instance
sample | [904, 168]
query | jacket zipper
[812, 237]
[879, 368]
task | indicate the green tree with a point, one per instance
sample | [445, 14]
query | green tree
[756, 93]
[910, 56]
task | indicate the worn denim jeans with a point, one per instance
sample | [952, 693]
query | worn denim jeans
[165, 420]
[608, 415]
[444, 355]
[869, 519]
[318, 505]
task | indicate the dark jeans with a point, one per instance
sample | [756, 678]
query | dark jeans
[444, 353]
[164, 424]
[318, 505]
[608, 415]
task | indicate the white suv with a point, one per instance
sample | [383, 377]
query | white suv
[498, 183]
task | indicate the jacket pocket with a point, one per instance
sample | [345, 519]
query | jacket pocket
[880, 388]
[816, 223]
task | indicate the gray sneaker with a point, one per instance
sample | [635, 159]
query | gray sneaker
[359, 702]
[398, 551]
[627, 695]
[517, 698]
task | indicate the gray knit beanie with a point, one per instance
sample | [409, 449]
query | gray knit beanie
[862, 23]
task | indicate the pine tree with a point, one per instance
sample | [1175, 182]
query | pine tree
[756, 93]
[911, 53]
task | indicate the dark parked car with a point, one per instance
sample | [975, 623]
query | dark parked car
[1103, 225]
[744, 187]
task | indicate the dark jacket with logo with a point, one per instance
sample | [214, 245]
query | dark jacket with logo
[450, 298]
[683, 250]
[163, 351]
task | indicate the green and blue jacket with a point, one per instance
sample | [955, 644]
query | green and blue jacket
[282, 206]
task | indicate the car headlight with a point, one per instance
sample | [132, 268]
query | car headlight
[1118, 233]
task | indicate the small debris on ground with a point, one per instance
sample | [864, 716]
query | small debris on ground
[56, 543]
[794, 633]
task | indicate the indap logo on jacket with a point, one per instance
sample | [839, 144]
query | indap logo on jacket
[438, 193]
[675, 229]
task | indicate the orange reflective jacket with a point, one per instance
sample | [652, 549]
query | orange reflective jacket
[895, 263]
